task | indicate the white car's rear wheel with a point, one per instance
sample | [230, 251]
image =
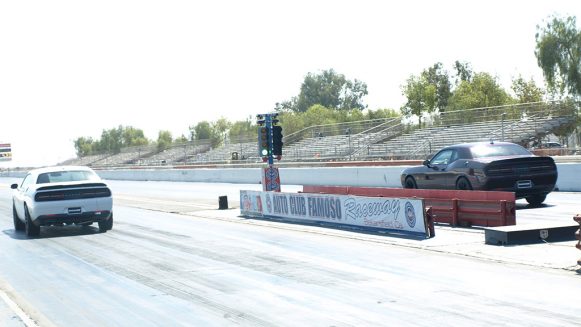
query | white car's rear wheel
[110, 224]
[30, 228]
[106, 225]
[18, 224]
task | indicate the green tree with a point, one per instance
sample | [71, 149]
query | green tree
[243, 129]
[83, 146]
[111, 140]
[342, 116]
[558, 53]
[382, 113]
[482, 91]
[329, 89]
[292, 122]
[464, 72]
[421, 97]
[427, 92]
[219, 131]
[527, 91]
[286, 106]
[133, 137]
[438, 77]
[181, 139]
[164, 140]
[201, 131]
[319, 115]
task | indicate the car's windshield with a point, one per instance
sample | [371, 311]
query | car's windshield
[498, 150]
[66, 176]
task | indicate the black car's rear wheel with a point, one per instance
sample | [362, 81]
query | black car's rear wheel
[30, 228]
[18, 224]
[410, 182]
[463, 184]
[536, 200]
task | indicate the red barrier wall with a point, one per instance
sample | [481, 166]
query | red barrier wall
[465, 208]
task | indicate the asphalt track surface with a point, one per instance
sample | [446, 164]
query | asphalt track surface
[173, 259]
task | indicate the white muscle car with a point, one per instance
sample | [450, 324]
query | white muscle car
[56, 196]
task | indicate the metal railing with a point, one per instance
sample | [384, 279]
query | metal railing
[345, 141]
[351, 128]
[508, 112]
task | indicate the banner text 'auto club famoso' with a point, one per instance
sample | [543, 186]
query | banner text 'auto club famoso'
[400, 214]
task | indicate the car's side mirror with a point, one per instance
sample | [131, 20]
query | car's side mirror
[426, 163]
[14, 186]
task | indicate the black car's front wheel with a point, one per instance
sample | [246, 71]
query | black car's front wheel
[410, 182]
[463, 184]
[536, 200]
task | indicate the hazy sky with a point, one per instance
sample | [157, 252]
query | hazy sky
[73, 68]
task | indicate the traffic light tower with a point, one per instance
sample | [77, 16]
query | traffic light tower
[269, 137]
[269, 145]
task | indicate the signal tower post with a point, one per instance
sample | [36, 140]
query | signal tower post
[269, 145]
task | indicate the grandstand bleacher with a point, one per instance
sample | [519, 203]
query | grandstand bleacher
[366, 140]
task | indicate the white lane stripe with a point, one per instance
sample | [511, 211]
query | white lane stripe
[21, 314]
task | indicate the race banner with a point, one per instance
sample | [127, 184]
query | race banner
[5, 152]
[394, 214]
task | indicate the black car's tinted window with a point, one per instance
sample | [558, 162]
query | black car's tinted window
[444, 157]
[498, 150]
[66, 176]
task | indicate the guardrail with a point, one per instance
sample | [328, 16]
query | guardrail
[457, 208]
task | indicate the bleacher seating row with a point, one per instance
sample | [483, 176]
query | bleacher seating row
[424, 142]
[384, 141]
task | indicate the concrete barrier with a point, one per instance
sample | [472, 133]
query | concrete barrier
[13, 174]
[375, 176]
[346, 176]
[568, 180]
[205, 175]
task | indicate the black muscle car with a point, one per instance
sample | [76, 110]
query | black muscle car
[494, 166]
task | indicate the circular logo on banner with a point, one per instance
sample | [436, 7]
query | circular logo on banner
[410, 214]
